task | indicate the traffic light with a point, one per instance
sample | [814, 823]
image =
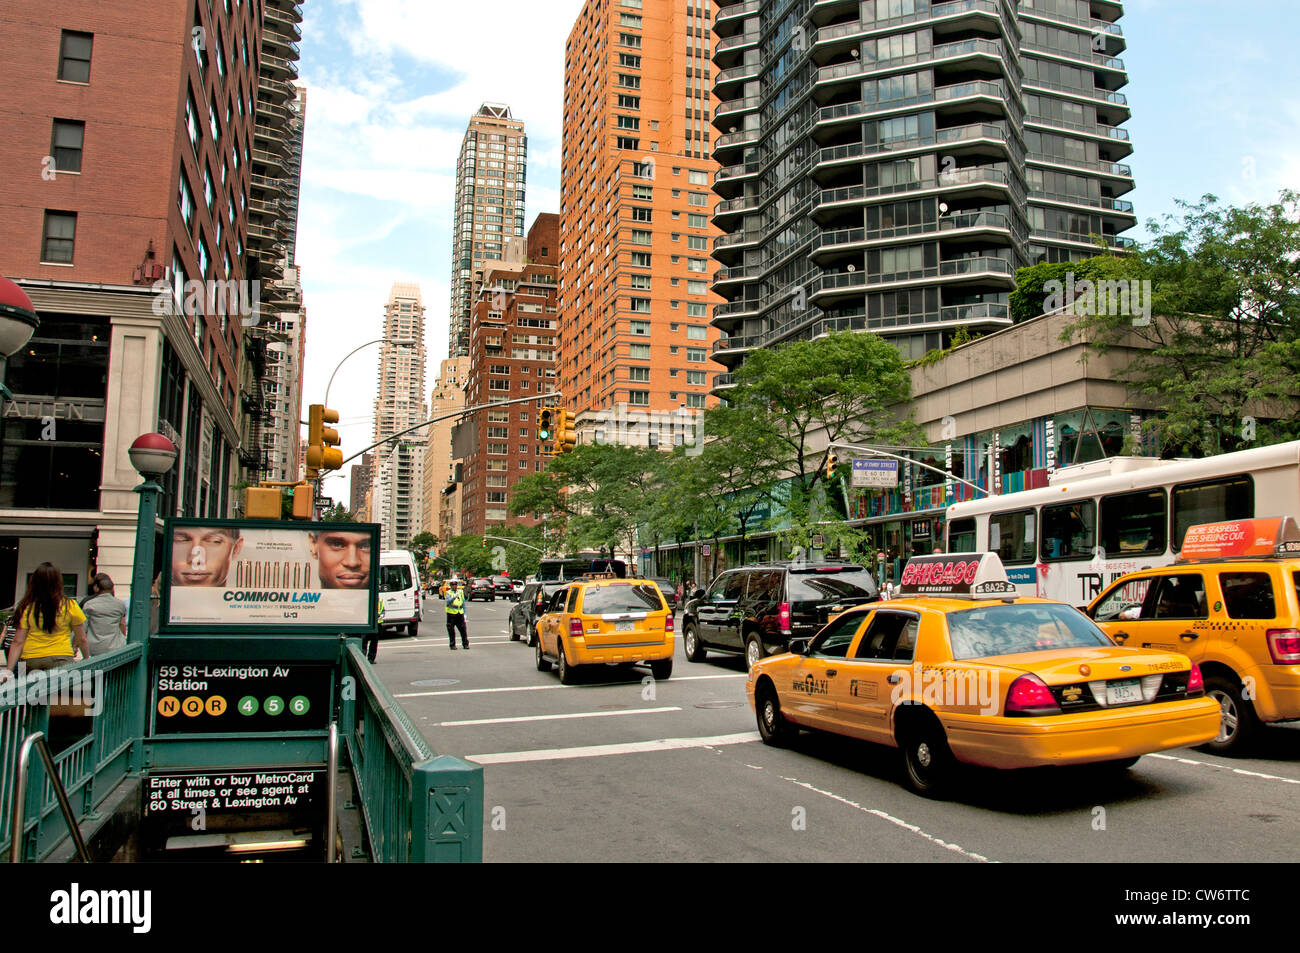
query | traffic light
[566, 438]
[322, 441]
[544, 425]
[832, 462]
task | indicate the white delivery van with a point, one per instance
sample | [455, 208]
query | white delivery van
[399, 590]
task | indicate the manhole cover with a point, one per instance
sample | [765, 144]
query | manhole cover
[435, 682]
[719, 704]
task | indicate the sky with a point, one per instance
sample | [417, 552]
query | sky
[391, 84]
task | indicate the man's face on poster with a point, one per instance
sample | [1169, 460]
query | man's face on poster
[342, 559]
[202, 557]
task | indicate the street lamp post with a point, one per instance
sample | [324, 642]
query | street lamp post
[397, 342]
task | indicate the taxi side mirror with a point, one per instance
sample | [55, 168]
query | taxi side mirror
[799, 646]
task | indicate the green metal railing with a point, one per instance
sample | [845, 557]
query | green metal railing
[91, 767]
[416, 807]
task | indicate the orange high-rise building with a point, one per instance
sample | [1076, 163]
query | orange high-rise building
[635, 215]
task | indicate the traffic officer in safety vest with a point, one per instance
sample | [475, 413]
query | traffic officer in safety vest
[456, 615]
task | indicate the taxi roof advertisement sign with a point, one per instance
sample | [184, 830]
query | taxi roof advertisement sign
[1259, 538]
[269, 577]
[956, 574]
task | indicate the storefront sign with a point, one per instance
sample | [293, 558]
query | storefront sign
[230, 697]
[256, 576]
[920, 529]
[997, 461]
[947, 479]
[875, 473]
[1050, 441]
[38, 408]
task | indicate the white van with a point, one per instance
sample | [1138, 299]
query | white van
[399, 589]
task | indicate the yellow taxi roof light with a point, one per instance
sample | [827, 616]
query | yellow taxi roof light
[956, 575]
[1276, 537]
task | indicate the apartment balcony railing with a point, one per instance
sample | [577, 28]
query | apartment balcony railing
[278, 20]
[1090, 57]
[1092, 92]
[737, 106]
[749, 38]
[1106, 168]
[741, 10]
[738, 342]
[738, 238]
[737, 74]
[961, 267]
[741, 137]
[956, 134]
[1102, 202]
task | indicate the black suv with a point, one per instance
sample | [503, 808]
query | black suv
[528, 607]
[756, 611]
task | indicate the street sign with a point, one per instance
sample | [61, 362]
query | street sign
[189, 794]
[219, 696]
[875, 473]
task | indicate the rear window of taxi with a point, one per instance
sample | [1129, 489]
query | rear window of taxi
[1010, 630]
[604, 600]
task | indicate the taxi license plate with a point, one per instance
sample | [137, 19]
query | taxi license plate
[623, 626]
[1123, 691]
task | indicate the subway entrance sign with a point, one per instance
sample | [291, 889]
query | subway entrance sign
[245, 681]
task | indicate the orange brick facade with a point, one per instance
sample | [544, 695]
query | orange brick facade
[636, 209]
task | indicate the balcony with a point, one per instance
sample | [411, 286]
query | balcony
[972, 90]
[270, 159]
[733, 309]
[979, 268]
[1089, 58]
[1112, 169]
[971, 133]
[736, 239]
[738, 342]
[289, 8]
[739, 41]
[732, 140]
[736, 74]
[735, 12]
[944, 51]
[275, 20]
[734, 107]
[1103, 202]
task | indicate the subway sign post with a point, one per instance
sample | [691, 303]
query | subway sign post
[245, 680]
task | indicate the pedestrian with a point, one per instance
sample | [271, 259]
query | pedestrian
[456, 615]
[49, 625]
[370, 642]
[105, 616]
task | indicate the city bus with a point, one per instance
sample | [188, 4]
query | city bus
[564, 569]
[1095, 522]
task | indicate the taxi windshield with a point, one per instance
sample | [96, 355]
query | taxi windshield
[598, 600]
[1011, 629]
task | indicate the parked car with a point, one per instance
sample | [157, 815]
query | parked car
[502, 586]
[518, 586]
[481, 588]
[669, 591]
[755, 611]
[399, 589]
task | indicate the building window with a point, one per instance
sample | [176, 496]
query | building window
[696, 332]
[639, 352]
[185, 200]
[695, 354]
[59, 237]
[694, 400]
[697, 242]
[698, 178]
[697, 221]
[192, 123]
[639, 305]
[640, 259]
[694, 309]
[638, 373]
[695, 264]
[74, 56]
[638, 398]
[696, 377]
[65, 144]
[642, 327]
[641, 214]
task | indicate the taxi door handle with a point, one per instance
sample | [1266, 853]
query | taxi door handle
[832, 672]
[893, 679]
[1188, 636]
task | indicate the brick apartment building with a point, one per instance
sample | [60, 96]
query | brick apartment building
[512, 355]
[635, 217]
[124, 174]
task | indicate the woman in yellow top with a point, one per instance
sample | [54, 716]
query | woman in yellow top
[48, 625]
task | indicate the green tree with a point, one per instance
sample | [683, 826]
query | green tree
[419, 545]
[1221, 355]
[338, 513]
[519, 561]
[468, 554]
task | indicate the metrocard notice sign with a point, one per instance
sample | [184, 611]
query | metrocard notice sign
[256, 575]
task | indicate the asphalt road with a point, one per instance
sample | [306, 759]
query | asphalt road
[621, 768]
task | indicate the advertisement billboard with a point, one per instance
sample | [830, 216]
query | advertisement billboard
[268, 577]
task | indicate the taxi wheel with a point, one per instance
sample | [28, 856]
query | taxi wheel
[1239, 723]
[753, 651]
[568, 673]
[543, 665]
[662, 670]
[927, 759]
[772, 726]
[694, 651]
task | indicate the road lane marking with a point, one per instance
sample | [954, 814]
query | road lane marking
[596, 751]
[1210, 764]
[543, 688]
[578, 714]
[955, 848]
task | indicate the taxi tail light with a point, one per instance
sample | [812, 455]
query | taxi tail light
[575, 628]
[668, 622]
[1029, 695]
[1195, 683]
[1284, 646]
[783, 614]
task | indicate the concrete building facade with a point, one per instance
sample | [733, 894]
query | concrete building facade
[491, 178]
[447, 397]
[635, 306]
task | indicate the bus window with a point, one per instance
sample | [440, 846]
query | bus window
[1134, 524]
[1014, 536]
[961, 536]
[1211, 501]
[1069, 530]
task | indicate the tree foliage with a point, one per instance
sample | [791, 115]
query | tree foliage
[1221, 357]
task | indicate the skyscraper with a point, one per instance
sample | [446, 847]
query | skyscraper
[491, 174]
[635, 235]
[447, 397]
[399, 405]
[888, 165]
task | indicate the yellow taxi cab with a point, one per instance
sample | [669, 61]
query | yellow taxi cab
[601, 620]
[958, 669]
[1230, 603]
